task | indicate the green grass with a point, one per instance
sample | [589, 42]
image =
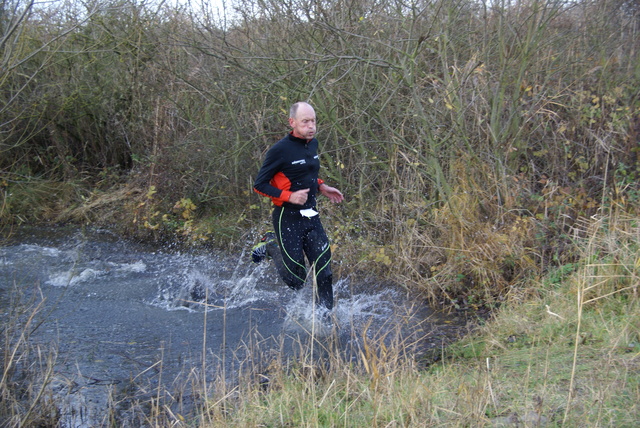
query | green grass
[519, 365]
[526, 357]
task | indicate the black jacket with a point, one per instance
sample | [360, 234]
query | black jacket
[291, 164]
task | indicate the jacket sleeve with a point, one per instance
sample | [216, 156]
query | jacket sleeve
[267, 178]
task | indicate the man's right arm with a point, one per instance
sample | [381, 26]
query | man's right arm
[269, 175]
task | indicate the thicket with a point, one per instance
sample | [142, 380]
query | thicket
[473, 140]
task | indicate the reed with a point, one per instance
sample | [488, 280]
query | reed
[28, 369]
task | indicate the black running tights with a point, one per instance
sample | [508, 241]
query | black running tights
[299, 236]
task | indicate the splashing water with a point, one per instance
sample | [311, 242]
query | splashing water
[115, 303]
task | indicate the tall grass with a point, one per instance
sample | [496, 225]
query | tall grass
[28, 369]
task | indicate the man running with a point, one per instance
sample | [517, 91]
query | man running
[289, 176]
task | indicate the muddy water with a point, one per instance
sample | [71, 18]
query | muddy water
[128, 320]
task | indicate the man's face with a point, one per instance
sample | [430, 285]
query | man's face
[304, 124]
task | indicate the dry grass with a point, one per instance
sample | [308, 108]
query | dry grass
[27, 369]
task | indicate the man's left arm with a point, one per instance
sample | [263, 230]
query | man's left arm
[332, 193]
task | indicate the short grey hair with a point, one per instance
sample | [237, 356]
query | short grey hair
[293, 111]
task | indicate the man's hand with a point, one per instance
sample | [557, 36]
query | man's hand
[332, 193]
[299, 197]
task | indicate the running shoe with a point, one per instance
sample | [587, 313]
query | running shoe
[259, 251]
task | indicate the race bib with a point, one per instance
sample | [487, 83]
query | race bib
[309, 212]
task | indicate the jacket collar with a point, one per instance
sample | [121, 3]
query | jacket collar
[299, 140]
